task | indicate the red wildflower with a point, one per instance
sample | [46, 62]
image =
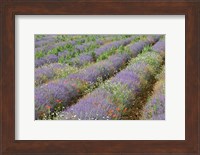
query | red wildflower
[48, 107]
[59, 101]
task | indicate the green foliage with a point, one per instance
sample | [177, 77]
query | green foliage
[147, 48]
[120, 93]
[39, 36]
[39, 54]
[151, 58]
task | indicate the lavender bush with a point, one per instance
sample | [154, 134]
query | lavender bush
[155, 107]
[89, 77]
[52, 71]
[97, 77]
[119, 91]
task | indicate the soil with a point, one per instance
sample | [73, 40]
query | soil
[135, 112]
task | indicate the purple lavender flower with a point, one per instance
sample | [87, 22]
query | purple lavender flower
[45, 73]
[92, 107]
[160, 47]
[100, 104]
[43, 42]
[57, 92]
[155, 107]
[82, 59]
[112, 45]
[103, 69]
[153, 38]
[52, 58]
[88, 77]
[39, 62]
[81, 48]
[99, 42]
[128, 78]
[137, 47]
[63, 54]
[119, 60]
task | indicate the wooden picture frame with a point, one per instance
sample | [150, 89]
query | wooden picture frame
[10, 8]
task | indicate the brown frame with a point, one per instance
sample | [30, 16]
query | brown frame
[10, 8]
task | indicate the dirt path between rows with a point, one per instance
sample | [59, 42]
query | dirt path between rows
[135, 112]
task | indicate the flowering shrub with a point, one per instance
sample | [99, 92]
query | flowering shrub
[155, 107]
[52, 71]
[119, 92]
[95, 77]
[89, 76]
[160, 47]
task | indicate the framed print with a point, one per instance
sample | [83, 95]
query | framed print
[103, 77]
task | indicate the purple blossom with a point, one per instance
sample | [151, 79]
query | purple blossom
[39, 62]
[63, 54]
[88, 77]
[119, 60]
[99, 42]
[80, 48]
[82, 59]
[160, 47]
[128, 78]
[51, 58]
[153, 38]
[57, 92]
[92, 107]
[100, 103]
[155, 107]
[43, 42]
[112, 45]
[103, 69]
[138, 46]
[43, 74]
[46, 73]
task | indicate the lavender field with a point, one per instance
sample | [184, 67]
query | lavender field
[99, 77]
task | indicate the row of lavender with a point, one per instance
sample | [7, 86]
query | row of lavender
[48, 72]
[155, 107]
[63, 92]
[112, 99]
[62, 52]
[52, 53]
[43, 40]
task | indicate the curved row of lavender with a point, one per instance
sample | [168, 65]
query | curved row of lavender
[45, 73]
[65, 91]
[52, 71]
[53, 58]
[46, 49]
[155, 107]
[55, 45]
[91, 56]
[116, 95]
[66, 56]
[160, 47]
[59, 42]
[45, 40]
[112, 99]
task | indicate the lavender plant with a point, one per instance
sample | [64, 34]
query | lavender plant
[118, 92]
[155, 107]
